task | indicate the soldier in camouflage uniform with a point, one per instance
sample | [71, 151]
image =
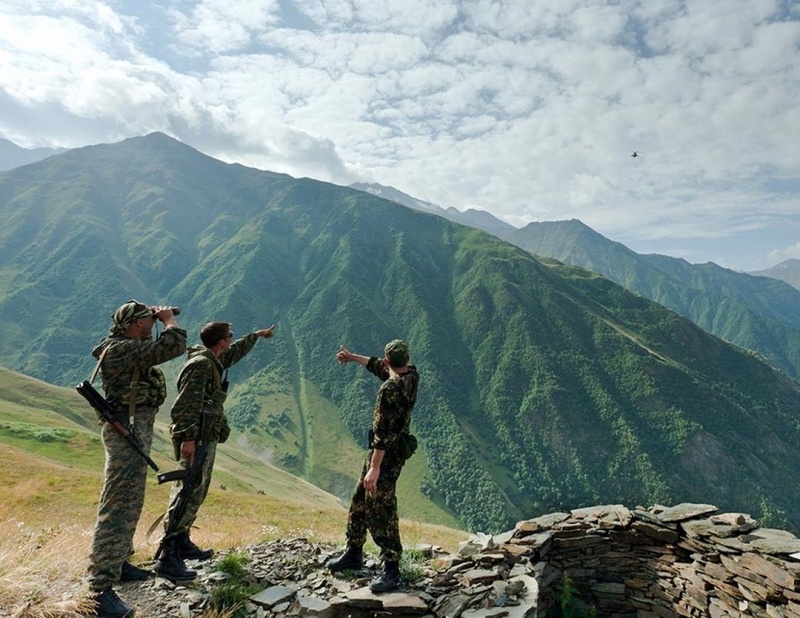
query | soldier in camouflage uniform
[134, 388]
[373, 506]
[198, 416]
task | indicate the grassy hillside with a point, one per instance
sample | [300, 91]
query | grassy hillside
[57, 425]
[51, 460]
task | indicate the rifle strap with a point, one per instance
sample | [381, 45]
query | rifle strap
[99, 362]
[153, 527]
[134, 385]
[132, 396]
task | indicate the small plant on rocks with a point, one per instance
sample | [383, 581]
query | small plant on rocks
[230, 597]
[569, 604]
[234, 564]
[412, 565]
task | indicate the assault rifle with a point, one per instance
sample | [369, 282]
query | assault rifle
[189, 478]
[99, 403]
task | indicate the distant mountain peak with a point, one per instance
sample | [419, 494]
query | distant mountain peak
[787, 271]
[471, 217]
[395, 195]
[12, 155]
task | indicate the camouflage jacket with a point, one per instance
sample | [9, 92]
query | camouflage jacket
[200, 390]
[124, 356]
[393, 404]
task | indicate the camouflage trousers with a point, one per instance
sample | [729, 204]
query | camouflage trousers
[121, 500]
[376, 512]
[197, 496]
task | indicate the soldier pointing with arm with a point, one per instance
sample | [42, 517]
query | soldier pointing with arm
[373, 506]
[198, 417]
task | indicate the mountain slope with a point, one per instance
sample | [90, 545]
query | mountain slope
[757, 314]
[544, 386]
[57, 424]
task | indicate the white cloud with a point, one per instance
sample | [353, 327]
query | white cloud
[528, 110]
[422, 18]
[219, 26]
[787, 253]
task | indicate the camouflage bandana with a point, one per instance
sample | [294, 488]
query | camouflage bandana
[128, 313]
[396, 352]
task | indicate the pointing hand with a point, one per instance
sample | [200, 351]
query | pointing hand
[266, 333]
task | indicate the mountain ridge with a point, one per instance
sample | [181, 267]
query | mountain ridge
[788, 271]
[12, 155]
[544, 385]
[747, 309]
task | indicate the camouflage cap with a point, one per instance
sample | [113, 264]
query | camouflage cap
[131, 311]
[396, 352]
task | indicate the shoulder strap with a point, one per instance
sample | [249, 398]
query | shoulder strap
[133, 394]
[99, 362]
[214, 369]
[134, 383]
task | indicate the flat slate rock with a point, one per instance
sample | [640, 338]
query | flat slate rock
[365, 598]
[402, 603]
[545, 522]
[273, 595]
[617, 513]
[776, 545]
[686, 510]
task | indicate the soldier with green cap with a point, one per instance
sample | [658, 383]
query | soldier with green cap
[134, 388]
[373, 506]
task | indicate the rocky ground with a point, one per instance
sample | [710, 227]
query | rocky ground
[289, 578]
[664, 562]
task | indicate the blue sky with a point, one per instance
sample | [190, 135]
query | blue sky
[527, 109]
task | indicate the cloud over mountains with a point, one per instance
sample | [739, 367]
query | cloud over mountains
[527, 110]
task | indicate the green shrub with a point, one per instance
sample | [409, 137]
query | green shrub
[569, 603]
[412, 565]
[230, 597]
[234, 565]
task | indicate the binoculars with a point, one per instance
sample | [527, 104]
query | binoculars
[175, 311]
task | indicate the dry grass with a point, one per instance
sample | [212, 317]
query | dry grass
[42, 569]
[46, 533]
[40, 576]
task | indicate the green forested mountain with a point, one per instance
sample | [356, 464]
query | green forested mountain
[544, 386]
[756, 313]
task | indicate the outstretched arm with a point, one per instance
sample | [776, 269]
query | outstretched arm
[346, 356]
[243, 345]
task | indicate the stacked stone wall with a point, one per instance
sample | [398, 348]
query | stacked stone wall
[662, 562]
[682, 561]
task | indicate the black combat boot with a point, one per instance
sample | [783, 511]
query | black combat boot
[189, 551]
[108, 605]
[132, 573]
[170, 565]
[390, 579]
[351, 560]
